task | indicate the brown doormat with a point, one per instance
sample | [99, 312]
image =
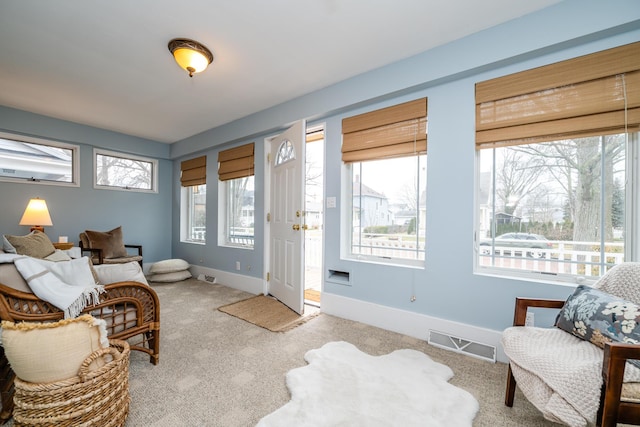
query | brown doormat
[268, 313]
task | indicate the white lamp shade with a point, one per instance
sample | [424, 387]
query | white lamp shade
[36, 213]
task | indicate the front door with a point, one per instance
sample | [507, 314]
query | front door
[287, 225]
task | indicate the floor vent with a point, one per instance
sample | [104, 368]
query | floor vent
[206, 278]
[462, 346]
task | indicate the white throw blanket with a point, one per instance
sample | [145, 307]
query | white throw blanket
[68, 285]
[562, 378]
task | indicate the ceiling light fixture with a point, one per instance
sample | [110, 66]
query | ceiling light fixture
[190, 55]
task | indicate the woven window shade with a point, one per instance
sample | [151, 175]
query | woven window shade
[193, 172]
[236, 162]
[592, 95]
[400, 130]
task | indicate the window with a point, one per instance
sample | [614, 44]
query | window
[195, 213]
[193, 203]
[239, 203]
[387, 216]
[25, 159]
[558, 168]
[117, 171]
[236, 175]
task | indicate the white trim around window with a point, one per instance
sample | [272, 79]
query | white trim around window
[124, 172]
[30, 160]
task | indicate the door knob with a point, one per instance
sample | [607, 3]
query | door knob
[296, 227]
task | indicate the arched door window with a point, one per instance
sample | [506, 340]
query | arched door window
[286, 152]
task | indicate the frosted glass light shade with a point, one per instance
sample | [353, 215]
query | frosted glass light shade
[36, 214]
[190, 55]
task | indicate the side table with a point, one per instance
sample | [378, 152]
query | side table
[72, 251]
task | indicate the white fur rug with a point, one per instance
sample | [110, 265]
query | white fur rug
[342, 386]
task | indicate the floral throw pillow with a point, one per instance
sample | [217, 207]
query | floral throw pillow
[599, 317]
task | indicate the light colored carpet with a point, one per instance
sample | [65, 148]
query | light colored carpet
[343, 386]
[269, 313]
[219, 371]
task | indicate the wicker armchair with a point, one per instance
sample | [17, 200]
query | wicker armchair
[131, 310]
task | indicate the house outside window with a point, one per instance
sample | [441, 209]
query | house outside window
[118, 171]
[35, 160]
[384, 152]
[388, 215]
[558, 168]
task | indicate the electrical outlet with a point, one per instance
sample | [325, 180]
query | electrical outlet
[237, 265]
[530, 319]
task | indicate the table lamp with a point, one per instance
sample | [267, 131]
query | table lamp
[36, 214]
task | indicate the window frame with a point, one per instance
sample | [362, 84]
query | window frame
[224, 211]
[109, 153]
[186, 218]
[593, 95]
[347, 221]
[75, 160]
[631, 224]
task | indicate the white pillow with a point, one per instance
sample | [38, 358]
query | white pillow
[112, 273]
[175, 276]
[58, 256]
[169, 266]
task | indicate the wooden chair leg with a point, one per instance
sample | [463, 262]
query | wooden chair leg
[511, 388]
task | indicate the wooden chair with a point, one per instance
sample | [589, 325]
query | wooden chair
[102, 254]
[619, 401]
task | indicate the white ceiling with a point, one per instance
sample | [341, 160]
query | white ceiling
[106, 63]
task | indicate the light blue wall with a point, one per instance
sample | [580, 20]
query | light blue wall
[212, 255]
[145, 218]
[447, 288]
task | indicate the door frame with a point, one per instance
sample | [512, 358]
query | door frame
[267, 146]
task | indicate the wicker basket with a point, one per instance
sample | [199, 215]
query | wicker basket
[93, 398]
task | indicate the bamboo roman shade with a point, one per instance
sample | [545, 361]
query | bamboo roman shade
[400, 130]
[236, 162]
[193, 172]
[592, 95]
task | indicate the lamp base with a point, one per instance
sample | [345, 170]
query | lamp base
[38, 227]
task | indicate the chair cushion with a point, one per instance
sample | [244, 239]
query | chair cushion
[123, 259]
[169, 266]
[110, 242]
[53, 351]
[35, 244]
[599, 317]
[112, 273]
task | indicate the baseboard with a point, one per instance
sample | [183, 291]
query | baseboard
[407, 322]
[392, 319]
[249, 284]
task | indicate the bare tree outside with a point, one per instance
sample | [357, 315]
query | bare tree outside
[123, 172]
[571, 191]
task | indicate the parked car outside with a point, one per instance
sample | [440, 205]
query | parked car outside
[537, 244]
